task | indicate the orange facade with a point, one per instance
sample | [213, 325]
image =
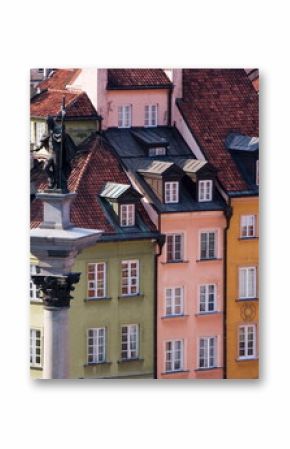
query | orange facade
[243, 290]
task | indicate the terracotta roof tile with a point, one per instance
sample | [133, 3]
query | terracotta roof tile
[216, 102]
[130, 78]
[59, 79]
[92, 169]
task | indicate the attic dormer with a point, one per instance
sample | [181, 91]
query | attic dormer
[123, 199]
[203, 175]
[164, 179]
[152, 144]
[245, 152]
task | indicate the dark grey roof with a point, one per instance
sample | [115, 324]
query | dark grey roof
[127, 144]
[236, 141]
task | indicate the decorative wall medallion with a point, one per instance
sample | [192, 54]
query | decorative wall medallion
[248, 312]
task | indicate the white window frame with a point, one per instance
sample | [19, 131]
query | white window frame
[210, 359]
[34, 290]
[174, 301]
[245, 292]
[35, 345]
[174, 251]
[173, 362]
[208, 250]
[127, 215]
[205, 190]
[246, 349]
[247, 222]
[133, 281]
[151, 116]
[96, 345]
[205, 293]
[96, 283]
[171, 192]
[40, 131]
[125, 116]
[129, 341]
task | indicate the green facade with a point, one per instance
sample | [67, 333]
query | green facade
[78, 129]
[111, 313]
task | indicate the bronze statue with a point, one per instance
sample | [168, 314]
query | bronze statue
[61, 150]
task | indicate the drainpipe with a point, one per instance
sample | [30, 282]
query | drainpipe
[160, 242]
[169, 106]
[228, 215]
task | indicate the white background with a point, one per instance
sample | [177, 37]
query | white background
[168, 414]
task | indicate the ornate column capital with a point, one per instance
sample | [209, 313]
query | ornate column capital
[56, 289]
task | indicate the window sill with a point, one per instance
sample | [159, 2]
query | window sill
[165, 317]
[38, 368]
[247, 359]
[249, 238]
[246, 299]
[86, 365]
[174, 262]
[93, 299]
[33, 301]
[209, 259]
[175, 372]
[138, 359]
[208, 369]
[215, 312]
[136, 295]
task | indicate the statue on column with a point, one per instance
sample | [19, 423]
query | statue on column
[60, 149]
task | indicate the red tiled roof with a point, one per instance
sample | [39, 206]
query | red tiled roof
[216, 102]
[59, 79]
[49, 102]
[130, 78]
[92, 168]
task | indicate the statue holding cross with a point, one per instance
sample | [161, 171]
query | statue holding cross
[60, 153]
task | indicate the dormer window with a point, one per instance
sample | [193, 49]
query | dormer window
[127, 214]
[150, 115]
[157, 151]
[171, 192]
[205, 190]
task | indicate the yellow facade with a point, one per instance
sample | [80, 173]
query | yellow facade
[241, 253]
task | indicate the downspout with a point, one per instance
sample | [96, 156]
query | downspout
[169, 106]
[228, 215]
[160, 242]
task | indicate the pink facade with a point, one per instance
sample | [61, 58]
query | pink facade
[189, 275]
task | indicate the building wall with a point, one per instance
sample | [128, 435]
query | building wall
[189, 275]
[138, 99]
[240, 252]
[111, 313]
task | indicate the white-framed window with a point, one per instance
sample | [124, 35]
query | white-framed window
[247, 341]
[207, 352]
[127, 214]
[157, 151]
[150, 115]
[174, 244]
[171, 192]
[207, 298]
[35, 348]
[96, 345]
[130, 277]
[247, 282]
[248, 226]
[174, 355]
[257, 172]
[174, 301]
[208, 245]
[205, 190]
[97, 280]
[125, 116]
[32, 132]
[40, 130]
[130, 342]
[34, 290]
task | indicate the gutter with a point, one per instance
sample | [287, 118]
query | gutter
[169, 106]
[228, 215]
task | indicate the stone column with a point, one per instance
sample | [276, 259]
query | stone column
[56, 243]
